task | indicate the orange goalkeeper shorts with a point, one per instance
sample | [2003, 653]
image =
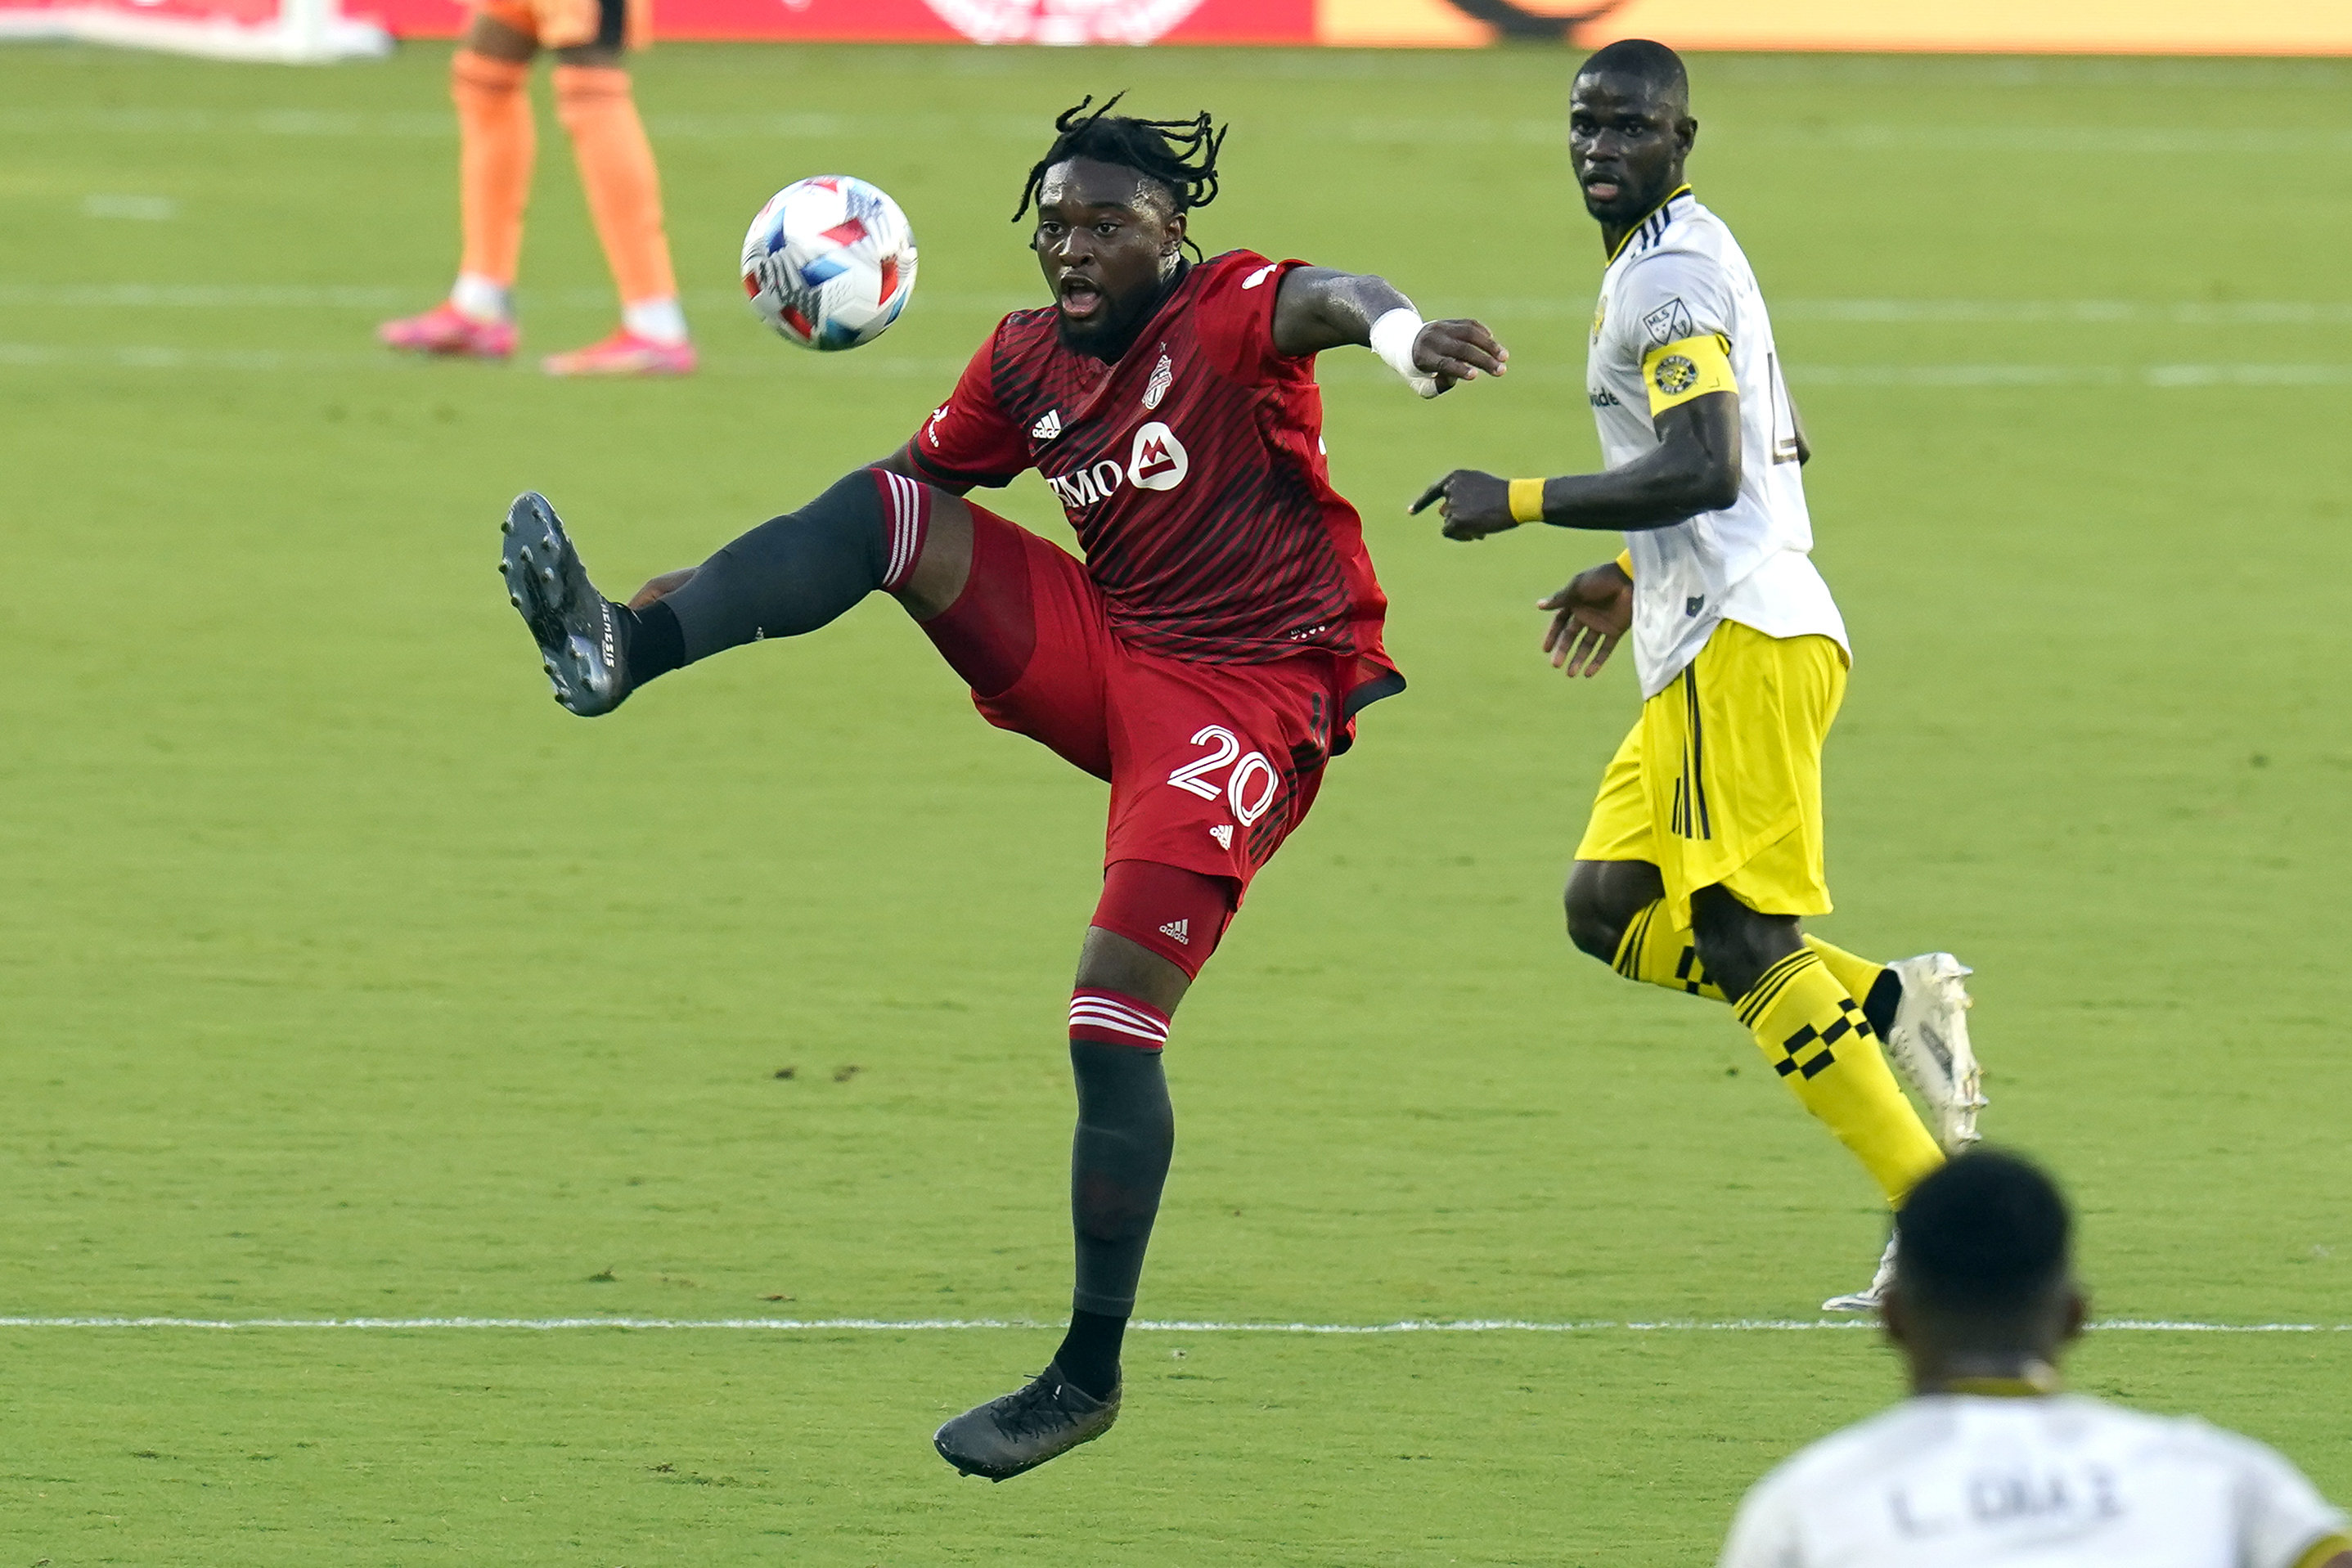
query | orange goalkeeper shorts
[570, 24]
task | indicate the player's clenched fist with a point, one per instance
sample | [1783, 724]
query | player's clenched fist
[1473, 504]
[1459, 350]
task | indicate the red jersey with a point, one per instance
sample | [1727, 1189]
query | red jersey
[1192, 470]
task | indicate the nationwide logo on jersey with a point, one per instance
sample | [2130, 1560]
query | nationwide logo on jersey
[1675, 374]
[1670, 322]
[1048, 427]
[1163, 376]
[1158, 461]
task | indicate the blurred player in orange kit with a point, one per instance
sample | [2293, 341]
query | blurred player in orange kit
[489, 79]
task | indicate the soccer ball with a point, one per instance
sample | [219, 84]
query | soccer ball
[829, 262]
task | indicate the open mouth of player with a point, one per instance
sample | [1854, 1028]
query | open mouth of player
[1080, 300]
[1601, 188]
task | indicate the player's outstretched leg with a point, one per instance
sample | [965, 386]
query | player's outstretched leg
[789, 575]
[1918, 1006]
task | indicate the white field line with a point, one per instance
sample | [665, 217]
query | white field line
[1891, 313]
[919, 1325]
[1340, 371]
[1860, 136]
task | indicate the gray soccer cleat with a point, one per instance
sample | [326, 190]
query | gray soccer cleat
[1021, 1431]
[1929, 1043]
[1868, 1300]
[577, 629]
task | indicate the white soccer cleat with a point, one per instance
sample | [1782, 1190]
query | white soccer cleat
[1867, 1301]
[1929, 1043]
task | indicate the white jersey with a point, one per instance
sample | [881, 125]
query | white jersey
[1952, 1479]
[1680, 276]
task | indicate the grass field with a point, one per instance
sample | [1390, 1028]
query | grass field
[343, 976]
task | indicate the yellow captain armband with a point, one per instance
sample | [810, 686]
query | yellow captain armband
[1526, 500]
[2324, 1550]
[1676, 373]
[1625, 562]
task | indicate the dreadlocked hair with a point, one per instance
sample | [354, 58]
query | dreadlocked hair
[1178, 156]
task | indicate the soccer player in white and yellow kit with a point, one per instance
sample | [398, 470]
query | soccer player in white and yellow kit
[1988, 1465]
[1705, 847]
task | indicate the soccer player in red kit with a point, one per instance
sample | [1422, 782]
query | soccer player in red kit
[1206, 660]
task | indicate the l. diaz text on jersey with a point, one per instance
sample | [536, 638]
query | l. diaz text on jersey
[1156, 461]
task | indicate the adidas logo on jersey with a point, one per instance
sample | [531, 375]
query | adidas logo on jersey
[1177, 931]
[1163, 376]
[1224, 833]
[1048, 427]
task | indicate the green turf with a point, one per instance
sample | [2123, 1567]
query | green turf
[341, 974]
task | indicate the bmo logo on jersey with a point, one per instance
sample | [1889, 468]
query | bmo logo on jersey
[1158, 461]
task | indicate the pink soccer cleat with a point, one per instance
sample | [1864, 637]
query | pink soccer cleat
[623, 354]
[445, 329]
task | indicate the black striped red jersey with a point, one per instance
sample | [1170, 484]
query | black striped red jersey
[1192, 470]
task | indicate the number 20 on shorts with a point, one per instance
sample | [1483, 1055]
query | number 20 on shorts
[1252, 776]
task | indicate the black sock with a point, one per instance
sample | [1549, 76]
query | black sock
[656, 645]
[789, 575]
[1886, 996]
[1119, 1163]
[1090, 1352]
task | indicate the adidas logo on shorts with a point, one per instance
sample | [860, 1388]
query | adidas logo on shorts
[1224, 833]
[1178, 930]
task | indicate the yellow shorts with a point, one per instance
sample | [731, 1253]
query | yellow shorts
[570, 24]
[1720, 780]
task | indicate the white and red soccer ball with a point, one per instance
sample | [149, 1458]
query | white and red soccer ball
[829, 262]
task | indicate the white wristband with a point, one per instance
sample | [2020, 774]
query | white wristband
[1393, 336]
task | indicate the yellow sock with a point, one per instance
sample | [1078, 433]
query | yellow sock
[1856, 975]
[1812, 1032]
[1657, 952]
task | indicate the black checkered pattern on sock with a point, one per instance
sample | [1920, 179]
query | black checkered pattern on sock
[1849, 1021]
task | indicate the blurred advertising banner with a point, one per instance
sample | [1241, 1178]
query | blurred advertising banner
[292, 32]
[1985, 26]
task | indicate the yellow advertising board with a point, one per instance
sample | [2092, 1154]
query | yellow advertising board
[1973, 27]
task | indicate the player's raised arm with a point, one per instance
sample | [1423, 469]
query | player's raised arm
[1319, 308]
[1694, 468]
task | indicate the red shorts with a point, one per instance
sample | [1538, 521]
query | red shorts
[1210, 766]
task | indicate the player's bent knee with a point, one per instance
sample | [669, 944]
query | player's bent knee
[1601, 898]
[1174, 914]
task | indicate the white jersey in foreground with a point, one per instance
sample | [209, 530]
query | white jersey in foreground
[1679, 307]
[1953, 1479]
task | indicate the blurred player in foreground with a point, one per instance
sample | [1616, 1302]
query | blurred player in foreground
[1988, 1464]
[1704, 848]
[489, 78]
[1206, 661]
